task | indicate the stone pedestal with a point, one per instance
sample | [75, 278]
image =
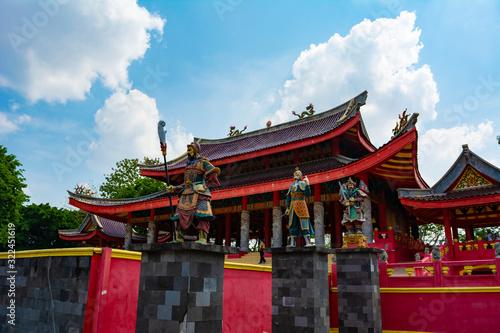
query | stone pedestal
[300, 289]
[358, 290]
[180, 288]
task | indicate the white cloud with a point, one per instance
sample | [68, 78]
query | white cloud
[126, 127]
[55, 50]
[379, 56]
[12, 125]
[439, 148]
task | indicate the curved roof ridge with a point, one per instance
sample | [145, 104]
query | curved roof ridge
[91, 199]
[215, 149]
[359, 101]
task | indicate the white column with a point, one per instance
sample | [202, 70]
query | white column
[319, 223]
[367, 227]
[151, 232]
[277, 230]
[245, 230]
[128, 236]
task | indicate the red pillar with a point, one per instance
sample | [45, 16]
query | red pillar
[267, 227]
[317, 192]
[338, 224]
[455, 232]
[296, 156]
[447, 229]
[228, 230]
[276, 198]
[244, 202]
[468, 233]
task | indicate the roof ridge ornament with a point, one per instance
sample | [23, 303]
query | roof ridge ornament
[348, 110]
[308, 112]
[405, 123]
[233, 132]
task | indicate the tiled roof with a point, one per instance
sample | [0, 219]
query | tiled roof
[109, 227]
[251, 178]
[281, 134]
[116, 202]
[460, 194]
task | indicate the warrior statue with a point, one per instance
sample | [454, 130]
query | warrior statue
[299, 223]
[194, 195]
[352, 197]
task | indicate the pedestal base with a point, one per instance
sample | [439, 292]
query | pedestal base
[300, 300]
[358, 290]
[180, 288]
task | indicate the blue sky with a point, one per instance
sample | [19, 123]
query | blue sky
[84, 83]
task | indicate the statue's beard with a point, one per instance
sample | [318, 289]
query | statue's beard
[191, 157]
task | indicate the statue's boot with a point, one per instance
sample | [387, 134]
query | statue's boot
[292, 241]
[202, 238]
[179, 236]
[308, 240]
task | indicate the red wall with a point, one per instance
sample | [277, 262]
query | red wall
[113, 294]
[247, 301]
[441, 312]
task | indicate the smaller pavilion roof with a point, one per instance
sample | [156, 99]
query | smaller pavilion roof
[471, 182]
[95, 227]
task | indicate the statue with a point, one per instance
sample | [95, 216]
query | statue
[497, 250]
[383, 256]
[427, 251]
[436, 254]
[351, 197]
[417, 257]
[194, 195]
[299, 223]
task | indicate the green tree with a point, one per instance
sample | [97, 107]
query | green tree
[431, 234]
[12, 196]
[125, 181]
[43, 222]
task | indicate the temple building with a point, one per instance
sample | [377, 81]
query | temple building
[467, 197]
[257, 168]
[100, 231]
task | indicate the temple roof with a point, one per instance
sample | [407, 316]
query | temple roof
[278, 135]
[94, 227]
[474, 172]
[470, 189]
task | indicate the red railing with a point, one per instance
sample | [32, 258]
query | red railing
[399, 246]
[422, 274]
[473, 250]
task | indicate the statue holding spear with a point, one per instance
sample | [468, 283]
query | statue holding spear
[194, 209]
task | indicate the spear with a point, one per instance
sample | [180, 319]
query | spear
[163, 145]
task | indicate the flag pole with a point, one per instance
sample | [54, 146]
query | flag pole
[163, 145]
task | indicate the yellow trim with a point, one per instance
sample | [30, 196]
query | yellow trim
[473, 268]
[452, 290]
[400, 161]
[247, 267]
[403, 155]
[410, 167]
[77, 251]
[389, 175]
[123, 254]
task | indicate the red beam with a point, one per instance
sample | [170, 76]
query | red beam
[455, 203]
